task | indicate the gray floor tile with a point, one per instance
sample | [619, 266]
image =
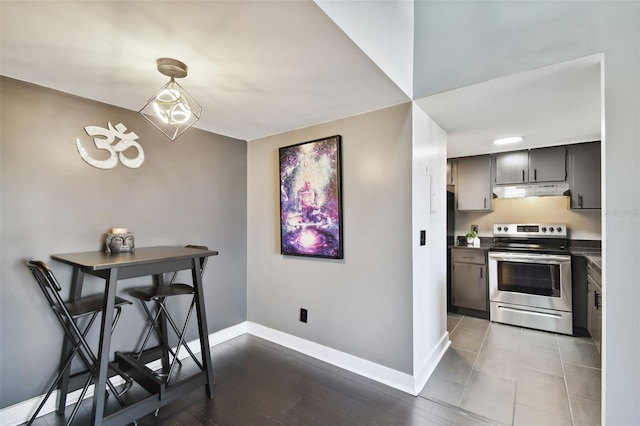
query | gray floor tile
[465, 339]
[529, 416]
[498, 361]
[452, 323]
[583, 382]
[539, 338]
[456, 365]
[541, 358]
[490, 396]
[477, 324]
[585, 412]
[579, 352]
[544, 391]
[504, 336]
[443, 390]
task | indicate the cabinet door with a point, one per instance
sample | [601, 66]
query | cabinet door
[596, 326]
[473, 189]
[584, 182]
[469, 286]
[512, 167]
[548, 164]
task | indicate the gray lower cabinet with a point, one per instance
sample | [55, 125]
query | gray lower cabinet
[473, 186]
[584, 178]
[594, 310]
[469, 286]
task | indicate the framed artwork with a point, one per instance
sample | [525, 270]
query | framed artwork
[310, 199]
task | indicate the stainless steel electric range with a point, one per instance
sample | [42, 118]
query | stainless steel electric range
[530, 277]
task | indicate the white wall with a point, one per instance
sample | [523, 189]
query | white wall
[430, 337]
[360, 305]
[462, 43]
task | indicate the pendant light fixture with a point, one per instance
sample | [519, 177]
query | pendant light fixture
[172, 109]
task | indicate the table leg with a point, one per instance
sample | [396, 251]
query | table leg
[202, 327]
[76, 292]
[105, 344]
[158, 280]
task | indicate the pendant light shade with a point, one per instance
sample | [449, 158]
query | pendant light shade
[172, 109]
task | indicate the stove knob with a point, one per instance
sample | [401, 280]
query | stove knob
[544, 229]
[551, 229]
[499, 228]
[559, 229]
[506, 228]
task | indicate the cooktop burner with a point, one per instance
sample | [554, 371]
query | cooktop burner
[548, 238]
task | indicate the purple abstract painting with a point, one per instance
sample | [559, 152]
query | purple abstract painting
[310, 199]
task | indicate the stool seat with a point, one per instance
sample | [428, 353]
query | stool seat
[87, 305]
[154, 293]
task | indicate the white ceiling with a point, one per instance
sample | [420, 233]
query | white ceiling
[264, 67]
[554, 105]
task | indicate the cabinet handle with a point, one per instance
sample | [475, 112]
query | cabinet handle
[480, 272]
[485, 202]
[535, 175]
[523, 175]
[579, 200]
[596, 299]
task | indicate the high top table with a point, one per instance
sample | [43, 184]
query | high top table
[145, 261]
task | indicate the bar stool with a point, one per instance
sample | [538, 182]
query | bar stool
[68, 314]
[159, 295]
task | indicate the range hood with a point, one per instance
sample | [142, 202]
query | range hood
[531, 190]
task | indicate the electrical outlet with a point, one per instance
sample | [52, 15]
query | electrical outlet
[423, 237]
[474, 228]
[303, 315]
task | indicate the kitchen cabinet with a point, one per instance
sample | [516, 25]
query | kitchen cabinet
[469, 285]
[579, 293]
[451, 172]
[585, 175]
[473, 188]
[533, 166]
[594, 311]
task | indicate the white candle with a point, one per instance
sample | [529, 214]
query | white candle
[119, 230]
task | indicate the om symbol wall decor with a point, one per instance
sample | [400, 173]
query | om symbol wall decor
[116, 151]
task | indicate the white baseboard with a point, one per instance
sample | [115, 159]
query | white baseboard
[425, 369]
[360, 366]
[20, 412]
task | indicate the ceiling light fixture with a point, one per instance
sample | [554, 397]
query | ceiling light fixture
[172, 109]
[509, 140]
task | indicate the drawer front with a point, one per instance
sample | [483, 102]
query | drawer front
[468, 256]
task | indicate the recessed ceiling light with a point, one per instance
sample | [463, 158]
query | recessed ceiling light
[511, 139]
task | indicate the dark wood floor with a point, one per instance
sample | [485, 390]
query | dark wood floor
[260, 383]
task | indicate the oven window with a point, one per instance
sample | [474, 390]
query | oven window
[529, 278]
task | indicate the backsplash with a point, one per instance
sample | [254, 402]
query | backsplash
[582, 224]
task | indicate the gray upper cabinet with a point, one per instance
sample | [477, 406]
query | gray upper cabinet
[548, 164]
[473, 188]
[584, 178]
[536, 165]
[512, 167]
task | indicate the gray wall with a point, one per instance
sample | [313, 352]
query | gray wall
[190, 191]
[467, 42]
[360, 305]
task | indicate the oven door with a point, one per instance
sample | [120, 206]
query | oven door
[530, 279]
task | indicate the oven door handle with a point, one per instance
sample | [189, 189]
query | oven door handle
[524, 258]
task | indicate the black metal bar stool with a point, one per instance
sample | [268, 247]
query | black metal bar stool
[68, 314]
[159, 295]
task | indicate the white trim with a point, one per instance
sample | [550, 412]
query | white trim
[21, 412]
[360, 366]
[429, 364]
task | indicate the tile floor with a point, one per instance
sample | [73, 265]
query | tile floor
[517, 376]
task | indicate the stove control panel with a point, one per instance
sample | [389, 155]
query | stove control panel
[546, 230]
